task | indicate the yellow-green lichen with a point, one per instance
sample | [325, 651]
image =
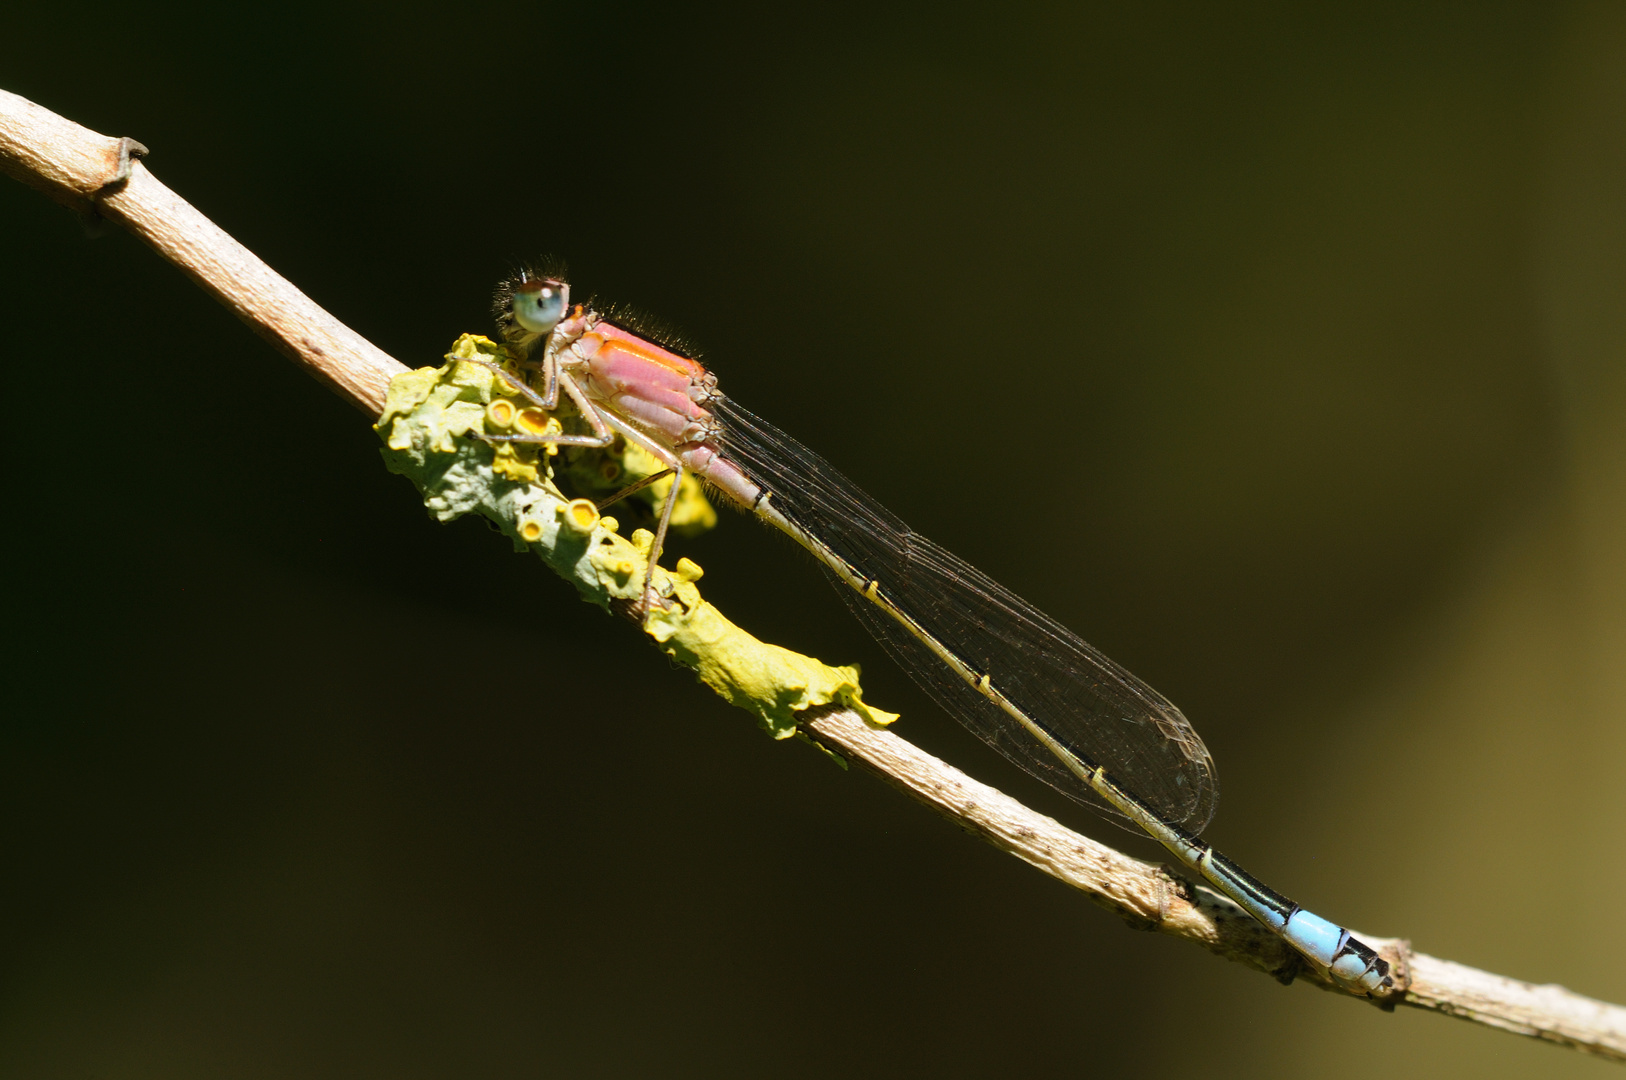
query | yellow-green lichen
[771, 683]
[426, 425]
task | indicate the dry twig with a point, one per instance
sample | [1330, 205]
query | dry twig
[98, 175]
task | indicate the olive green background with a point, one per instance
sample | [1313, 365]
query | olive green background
[1278, 352]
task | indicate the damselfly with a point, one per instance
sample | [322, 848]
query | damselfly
[1021, 681]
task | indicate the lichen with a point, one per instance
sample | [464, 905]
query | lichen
[426, 427]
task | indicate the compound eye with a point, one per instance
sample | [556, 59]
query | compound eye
[540, 304]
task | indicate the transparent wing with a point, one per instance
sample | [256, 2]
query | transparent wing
[1089, 704]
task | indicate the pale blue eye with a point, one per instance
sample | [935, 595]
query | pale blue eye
[539, 309]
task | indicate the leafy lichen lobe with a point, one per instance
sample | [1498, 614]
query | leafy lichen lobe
[430, 427]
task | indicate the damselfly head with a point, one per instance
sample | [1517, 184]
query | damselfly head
[530, 303]
[539, 303]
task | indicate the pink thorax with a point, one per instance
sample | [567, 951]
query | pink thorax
[661, 394]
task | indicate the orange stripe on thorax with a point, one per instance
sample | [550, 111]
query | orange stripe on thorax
[645, 350]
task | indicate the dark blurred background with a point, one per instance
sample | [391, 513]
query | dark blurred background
[1277, 351]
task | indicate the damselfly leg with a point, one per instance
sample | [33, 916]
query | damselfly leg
[601, 438]
[635, 488]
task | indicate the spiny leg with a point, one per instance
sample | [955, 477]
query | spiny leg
[602, 435]
[633, 489]
[659, 543]
[550, 374]
[589, 411]
[518, 384]
[548, 400]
